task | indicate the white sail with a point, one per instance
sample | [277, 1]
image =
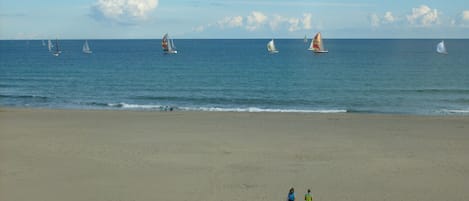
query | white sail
[43, 43]
[440, 48]
[271, 47]
[57, 49]
[170, 45]
[311, 45]
[173, 46]
[86, 48]
[50, 45]
[305, 40]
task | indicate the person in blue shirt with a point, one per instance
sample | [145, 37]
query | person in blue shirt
[291, 195]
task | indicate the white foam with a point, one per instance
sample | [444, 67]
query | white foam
[255, 109]
[114, 105]
[220, 109]
[456, 111]
[135, 106]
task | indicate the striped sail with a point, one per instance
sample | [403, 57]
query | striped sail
[317, 45]
[168, 45]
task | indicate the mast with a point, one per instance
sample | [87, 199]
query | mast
[57, 50]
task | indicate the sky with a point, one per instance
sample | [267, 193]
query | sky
[149, 19]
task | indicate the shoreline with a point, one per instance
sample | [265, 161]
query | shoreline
[445, 113]
[138, 155]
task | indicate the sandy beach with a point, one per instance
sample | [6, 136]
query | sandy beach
[75, 155]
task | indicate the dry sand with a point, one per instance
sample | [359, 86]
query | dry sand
[54, 155]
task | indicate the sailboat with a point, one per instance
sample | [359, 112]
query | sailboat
[440, 48]
[168, 45]
[317, 45]
[305, 40]
[43, 43]
[57, 50]
[86, 48]
[50, 45]
[271, 47]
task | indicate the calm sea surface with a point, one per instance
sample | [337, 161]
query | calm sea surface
[361, 76]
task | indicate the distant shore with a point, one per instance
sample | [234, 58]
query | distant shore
[77, 155]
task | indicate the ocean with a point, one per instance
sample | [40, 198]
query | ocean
[396, 76]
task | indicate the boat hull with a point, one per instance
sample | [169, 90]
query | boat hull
[321, 51]
[171, 52]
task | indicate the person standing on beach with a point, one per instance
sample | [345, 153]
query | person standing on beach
[308, 196]
[291, 195]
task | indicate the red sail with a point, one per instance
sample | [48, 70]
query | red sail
[164, 43]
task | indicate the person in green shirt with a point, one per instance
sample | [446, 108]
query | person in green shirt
[308, 196]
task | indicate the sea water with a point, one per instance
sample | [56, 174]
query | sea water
[357, 75]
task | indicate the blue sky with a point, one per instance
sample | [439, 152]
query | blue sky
[109, 19]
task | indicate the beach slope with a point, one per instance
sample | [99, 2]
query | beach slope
[74, 155]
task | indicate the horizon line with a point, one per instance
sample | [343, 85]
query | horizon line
[266, 38]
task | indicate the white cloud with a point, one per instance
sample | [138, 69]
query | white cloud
[388, 17]
[374, 20]
[199, 28]
[294, 24]
[306, 21]
[255, 20]
[462, 20]
[124, 11]
[423, 16]
[276, 21]
[465, 16]
[291, 24]
[231, 22]
[27, 36]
